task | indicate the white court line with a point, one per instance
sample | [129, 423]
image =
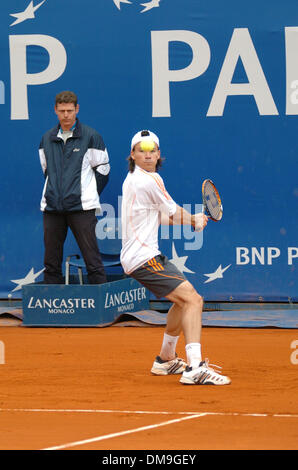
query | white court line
[53, 410]
[187, 415]
[210, 413]
[123, 433]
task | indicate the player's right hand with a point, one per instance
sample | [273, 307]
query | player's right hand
[200, 221]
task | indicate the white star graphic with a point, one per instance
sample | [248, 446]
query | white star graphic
[149, 5]
[218, 273]
[179, 261]
[118, 3]
[27, 14]
[28, 279]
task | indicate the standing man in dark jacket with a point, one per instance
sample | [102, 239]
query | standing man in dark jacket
[75, 164]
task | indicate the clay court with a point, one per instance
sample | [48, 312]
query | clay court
[91, 388]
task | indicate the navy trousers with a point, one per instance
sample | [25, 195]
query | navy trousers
[82, 225]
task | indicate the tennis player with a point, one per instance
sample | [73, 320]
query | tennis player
[145, 205]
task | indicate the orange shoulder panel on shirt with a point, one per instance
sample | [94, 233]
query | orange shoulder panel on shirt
[159, 183]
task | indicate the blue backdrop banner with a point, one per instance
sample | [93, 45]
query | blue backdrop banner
[216, 81]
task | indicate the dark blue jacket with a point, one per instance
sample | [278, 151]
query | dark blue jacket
[75, 172]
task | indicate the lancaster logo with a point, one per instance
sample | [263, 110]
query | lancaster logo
[58, 305]
[125, 299]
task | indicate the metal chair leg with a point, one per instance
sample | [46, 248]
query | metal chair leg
[66, 273]
[80, 275]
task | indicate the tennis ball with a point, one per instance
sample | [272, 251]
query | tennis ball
[147, 145]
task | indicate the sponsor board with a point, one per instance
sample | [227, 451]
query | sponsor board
[82, 305]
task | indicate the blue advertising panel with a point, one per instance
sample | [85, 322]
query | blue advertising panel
[216, 80]
[88, 305]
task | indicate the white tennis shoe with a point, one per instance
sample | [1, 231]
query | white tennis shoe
[175, 366]
[204, 375]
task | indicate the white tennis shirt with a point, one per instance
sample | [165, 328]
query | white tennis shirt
[144, 198]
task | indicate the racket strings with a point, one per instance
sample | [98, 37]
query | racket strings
[213, 204]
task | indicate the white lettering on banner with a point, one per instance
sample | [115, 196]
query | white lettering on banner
[291, 40]
[262, 255]
[125, 308]
[242, 256]
[20, 79]
[241, 46]
[292, 253]
[294, 95]
[61, 310]
[124, 297]
[62, 303]
[162, 75]
[2, 92]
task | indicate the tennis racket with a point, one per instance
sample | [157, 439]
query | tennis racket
[212, 205]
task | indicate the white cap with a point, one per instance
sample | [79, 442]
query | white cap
[144, 136]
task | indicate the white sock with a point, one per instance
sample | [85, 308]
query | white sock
[193, 354]
[168, 348]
